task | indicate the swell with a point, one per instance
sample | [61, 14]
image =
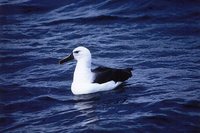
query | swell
[142, 18]
[34, 104]
[99, 20]
[109, 11]
[21, 9]
[164, 113]
[84, 20]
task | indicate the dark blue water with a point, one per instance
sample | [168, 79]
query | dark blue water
[159, 39]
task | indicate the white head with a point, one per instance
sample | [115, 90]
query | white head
[80, 54]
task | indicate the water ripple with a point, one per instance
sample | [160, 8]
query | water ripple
[159, 39]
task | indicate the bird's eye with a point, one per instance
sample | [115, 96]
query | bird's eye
[76, 52]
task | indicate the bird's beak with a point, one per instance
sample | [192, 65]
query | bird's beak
[67, 59]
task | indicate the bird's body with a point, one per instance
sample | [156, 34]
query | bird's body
[86, 80]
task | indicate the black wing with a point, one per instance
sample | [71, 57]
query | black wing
[105, 74]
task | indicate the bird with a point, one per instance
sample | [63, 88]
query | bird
[87, 80]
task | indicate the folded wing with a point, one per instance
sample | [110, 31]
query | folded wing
[105, 74]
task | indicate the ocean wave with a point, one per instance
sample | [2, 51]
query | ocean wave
[159, 39]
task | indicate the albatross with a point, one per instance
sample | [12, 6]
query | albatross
[87, 80]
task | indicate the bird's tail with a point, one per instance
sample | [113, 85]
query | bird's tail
[128, 70]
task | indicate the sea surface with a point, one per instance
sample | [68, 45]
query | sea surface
[159, 39]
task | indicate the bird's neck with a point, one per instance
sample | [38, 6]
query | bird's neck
[83, 72]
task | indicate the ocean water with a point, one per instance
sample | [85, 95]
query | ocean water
[159, 39]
